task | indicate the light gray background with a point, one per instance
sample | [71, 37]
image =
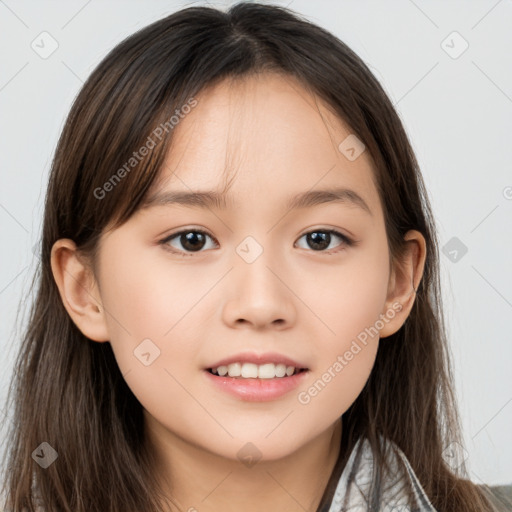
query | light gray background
[457, 111]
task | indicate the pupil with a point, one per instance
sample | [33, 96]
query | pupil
[319, 238]
[191, 239]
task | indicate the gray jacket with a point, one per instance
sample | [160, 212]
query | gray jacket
[398, 490]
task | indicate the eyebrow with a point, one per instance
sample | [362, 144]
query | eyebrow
[215, 200]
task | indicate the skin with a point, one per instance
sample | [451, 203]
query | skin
[293, 299]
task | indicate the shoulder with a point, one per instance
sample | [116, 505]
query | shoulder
[363, 487]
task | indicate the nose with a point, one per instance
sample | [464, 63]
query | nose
[259, 296]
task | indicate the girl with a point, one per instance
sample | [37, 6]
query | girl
[296, 357]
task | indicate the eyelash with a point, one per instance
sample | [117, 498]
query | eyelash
[347, 242]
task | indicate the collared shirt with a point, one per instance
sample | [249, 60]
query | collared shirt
[360, 490]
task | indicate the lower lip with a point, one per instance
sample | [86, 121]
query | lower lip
[257, 390]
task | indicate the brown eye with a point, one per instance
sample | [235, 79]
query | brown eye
[192, 240]
[320, 239]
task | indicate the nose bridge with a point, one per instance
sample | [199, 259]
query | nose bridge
[259, 295]
[255, 264]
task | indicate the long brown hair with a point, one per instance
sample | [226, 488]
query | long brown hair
[69, 392]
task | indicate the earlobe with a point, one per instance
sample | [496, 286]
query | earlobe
[404, 282]
[78, 290]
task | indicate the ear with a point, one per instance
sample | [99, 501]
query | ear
[78, 290]
[403, 282]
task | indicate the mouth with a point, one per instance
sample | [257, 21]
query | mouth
[256, 372]
[256, 383]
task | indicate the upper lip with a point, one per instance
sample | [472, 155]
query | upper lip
[252, 357]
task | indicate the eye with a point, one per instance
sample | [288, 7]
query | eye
[320, 239]
[192, 240]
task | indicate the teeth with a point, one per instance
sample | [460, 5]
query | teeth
[222, 370]
[234, 369]
[253, 371]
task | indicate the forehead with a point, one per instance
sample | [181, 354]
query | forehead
[268, 133]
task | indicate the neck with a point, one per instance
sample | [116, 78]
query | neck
[196, 480]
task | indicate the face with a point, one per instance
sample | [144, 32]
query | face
[186, 286]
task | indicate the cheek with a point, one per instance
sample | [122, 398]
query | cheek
[343, 365]
[341, 379]
[346, 297]
[349, 301]
[153, 311]
[150, 295]
[150, 301]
